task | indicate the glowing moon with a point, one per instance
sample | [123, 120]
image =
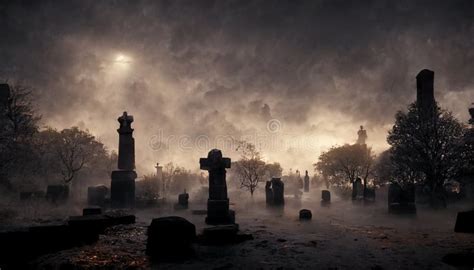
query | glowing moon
[122, 59]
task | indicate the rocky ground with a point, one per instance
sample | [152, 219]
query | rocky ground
[344, 235]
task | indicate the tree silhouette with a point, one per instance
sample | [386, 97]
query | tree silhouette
[250, 168]
[343, 164]
[426, 150]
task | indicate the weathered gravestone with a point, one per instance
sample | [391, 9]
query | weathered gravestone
[325, 196]
[401, 200]
[274, 191]
[57, 193]
[306, 182]
[305, 214]
[96, 195]
[357, 189]
[183, 199]
[465, 222]
[268, 192]
[218, 203]
[122, 188]
[170, 238]
[369, 195]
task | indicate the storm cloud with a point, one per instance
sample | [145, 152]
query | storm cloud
[296, 76]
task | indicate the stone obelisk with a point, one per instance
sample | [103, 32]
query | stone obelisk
[122, 189]
[425, 99]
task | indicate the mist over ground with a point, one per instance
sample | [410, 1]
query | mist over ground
[294, 77]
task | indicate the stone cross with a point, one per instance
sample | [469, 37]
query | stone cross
[122, 188]
[125, 121]
[126, 153]
[216, 165]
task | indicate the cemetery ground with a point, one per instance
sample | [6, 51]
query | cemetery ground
[343, 235]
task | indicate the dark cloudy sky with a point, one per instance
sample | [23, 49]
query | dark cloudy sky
[191, 71]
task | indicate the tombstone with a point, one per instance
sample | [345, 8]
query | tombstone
[96, 195]
[369, 195]
[278, 191]
[305, 214]
[57, 193]
[182, 201]
[394, 191]
[325, 196]
[361, 136]
[306, 182]
[357, 189]
[401, 200]
[275, 190]
[299, 181]
[122, 188]
[218, 203]
[268, 193]
[170, 238]
[465, 222]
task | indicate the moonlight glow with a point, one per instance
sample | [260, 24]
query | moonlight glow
[122, 59]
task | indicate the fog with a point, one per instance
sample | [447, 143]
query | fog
[293, 77]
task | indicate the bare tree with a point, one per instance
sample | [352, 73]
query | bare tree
[75, 148]
[250, 168]
[19, 122]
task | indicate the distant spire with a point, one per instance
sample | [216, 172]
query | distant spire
[362, 135]
[425, 91]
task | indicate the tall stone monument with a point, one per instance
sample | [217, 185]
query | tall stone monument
[361, 136]
[122, 189]
[218, 203]
[159, 179]
[306, 182]
[425, 92]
